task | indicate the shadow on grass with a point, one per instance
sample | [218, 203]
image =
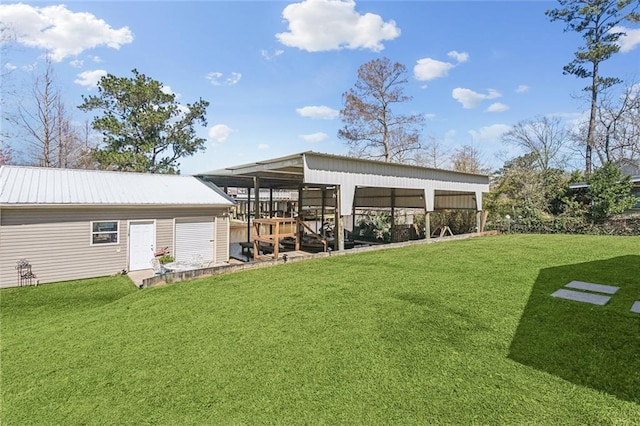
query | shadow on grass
[588, 345]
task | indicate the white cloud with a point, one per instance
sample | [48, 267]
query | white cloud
[490, 133]
[60, 31]
[220, 132]
[219, 79]
[314, 137]
[96, 59]
[321, 111]
[263, 146]
[90, 79]
[470, 99]
[169, 91]
[430, 116]
[429, 69]
[629, 40]
[522, 88]
[9, 66]
[77, 63]
[497, 107]
[460, 57]
[321, 25]
[269, 55]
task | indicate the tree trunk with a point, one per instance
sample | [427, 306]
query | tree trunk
[592, 119]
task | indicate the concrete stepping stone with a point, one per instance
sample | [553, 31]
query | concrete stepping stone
[599, 288]
[579, 296]
[636, 307]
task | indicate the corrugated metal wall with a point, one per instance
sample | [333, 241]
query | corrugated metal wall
[56, 241]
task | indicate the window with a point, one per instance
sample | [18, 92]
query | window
[104, 232]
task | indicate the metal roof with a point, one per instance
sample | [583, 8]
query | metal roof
[48, 186]
[289, 171]
[439, 188]
[581, 185]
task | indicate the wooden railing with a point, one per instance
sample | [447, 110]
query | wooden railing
[275, 235]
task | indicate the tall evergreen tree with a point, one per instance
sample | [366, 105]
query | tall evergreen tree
[144, 128]
[596, 21]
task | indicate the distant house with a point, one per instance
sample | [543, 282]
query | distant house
[628, 168]
[73, 224]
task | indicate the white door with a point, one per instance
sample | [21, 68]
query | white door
[142, 237]
[194, 239]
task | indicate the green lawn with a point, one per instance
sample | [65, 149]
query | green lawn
[459, 332]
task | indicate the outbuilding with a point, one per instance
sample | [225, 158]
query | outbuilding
[72, 224]
[345, 184]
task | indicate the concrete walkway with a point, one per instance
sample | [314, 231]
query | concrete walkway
[138, 276]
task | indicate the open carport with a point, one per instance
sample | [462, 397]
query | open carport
[342, 185]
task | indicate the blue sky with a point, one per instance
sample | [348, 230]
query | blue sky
[274, 71]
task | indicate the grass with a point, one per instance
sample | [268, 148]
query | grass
[461, 332]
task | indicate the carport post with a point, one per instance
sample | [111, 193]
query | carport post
[256, 192]
[249, 214]
[427, 224]
[338, 228]
[393, 214]
[479, 221]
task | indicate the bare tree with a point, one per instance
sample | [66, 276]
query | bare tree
[468, 159]
[618, 126]
[371, 128]
[543, 137]
[6, 154]
[6, 36]
[47, 128]
[432, 154]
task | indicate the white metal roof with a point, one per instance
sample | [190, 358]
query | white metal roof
[47, 186]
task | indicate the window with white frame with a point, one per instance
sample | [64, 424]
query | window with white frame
[104, 232]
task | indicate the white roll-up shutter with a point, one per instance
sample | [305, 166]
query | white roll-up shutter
[195, 239]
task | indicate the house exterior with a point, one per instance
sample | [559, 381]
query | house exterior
[74, 224]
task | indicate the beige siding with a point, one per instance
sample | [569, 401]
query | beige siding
[56, 241]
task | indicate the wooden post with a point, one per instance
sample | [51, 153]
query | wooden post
[478, 221]
[256, 243]
[276, 241]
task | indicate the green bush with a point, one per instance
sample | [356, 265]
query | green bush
[166, 258]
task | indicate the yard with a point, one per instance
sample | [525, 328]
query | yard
[458, 332]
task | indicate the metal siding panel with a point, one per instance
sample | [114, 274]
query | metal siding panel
[57, 251]
[56, 240]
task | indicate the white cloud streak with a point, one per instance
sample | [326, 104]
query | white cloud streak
[90, 79]
[219, 79]
[59, 31]
[497, 107]
[470, 99]
[322, 25]
[491, 133]
[629, 40]
[460, 57]
[429, 69]
[321, 112]
[523, 88]
[220, 132]
[270, 55]
[314, 137]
